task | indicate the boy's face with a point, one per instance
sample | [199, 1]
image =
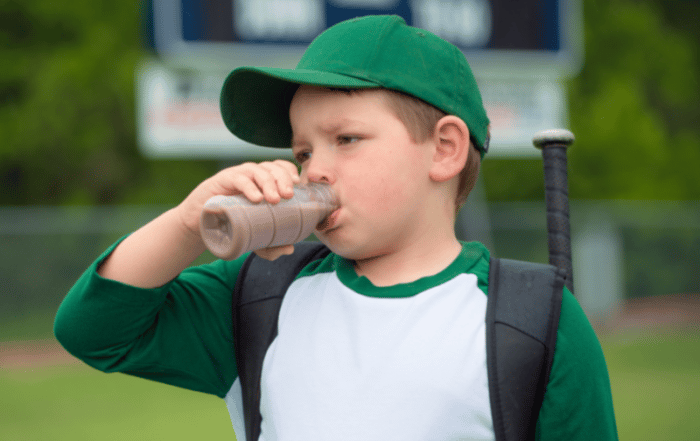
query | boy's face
[354, 142]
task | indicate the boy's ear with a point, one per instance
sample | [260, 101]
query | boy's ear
[451, 141]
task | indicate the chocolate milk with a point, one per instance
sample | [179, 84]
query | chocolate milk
[232, 225]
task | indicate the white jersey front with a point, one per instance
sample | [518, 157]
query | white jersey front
[352, 361]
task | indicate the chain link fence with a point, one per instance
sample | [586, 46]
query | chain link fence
[622, 249]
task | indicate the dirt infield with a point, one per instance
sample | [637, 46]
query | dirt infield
[678, 311]
[670, 312]
[33, 354]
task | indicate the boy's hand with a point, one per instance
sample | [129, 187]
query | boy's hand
[139, 261]
[270, 181]
[275, 252]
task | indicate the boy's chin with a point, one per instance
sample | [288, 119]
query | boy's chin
[346, 249]
[333, 243]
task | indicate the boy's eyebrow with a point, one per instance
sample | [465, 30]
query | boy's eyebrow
[329, 128]
[340, 124]
[297, 143]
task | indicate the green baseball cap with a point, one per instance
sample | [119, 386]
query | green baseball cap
[376, 51]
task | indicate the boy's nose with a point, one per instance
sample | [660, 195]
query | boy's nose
[318, 169]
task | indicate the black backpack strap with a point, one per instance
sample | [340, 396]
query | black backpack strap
[257, 298]
[522, 317]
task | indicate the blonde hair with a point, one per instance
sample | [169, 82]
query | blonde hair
[420, 119]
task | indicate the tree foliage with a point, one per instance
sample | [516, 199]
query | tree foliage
[67, 114]
[67, 106]
[633, 108]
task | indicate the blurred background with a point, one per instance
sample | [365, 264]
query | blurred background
[108, 116]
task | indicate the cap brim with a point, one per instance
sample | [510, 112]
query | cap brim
[255, 101]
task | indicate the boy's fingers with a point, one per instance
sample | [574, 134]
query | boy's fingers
[284, 178]
[243, 182]
[261, 179]
[268, 184]
[291, 168]
[267, 180]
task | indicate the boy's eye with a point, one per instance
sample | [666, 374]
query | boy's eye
[302, 156]
[347, 139]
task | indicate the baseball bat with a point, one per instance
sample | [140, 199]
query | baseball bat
[553, 144]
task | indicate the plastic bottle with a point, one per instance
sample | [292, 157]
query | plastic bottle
[233, 225]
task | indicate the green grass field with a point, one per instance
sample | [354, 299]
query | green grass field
[78, 403]
[655, 380]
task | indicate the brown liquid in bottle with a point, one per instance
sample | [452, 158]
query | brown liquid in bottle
[232, 225]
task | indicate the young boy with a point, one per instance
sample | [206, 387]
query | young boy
[384, 338]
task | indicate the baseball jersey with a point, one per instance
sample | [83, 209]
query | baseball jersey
[350, 361]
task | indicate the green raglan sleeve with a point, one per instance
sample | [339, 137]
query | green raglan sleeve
[179, 334]
[578, 404]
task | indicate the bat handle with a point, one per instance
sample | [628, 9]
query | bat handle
[553, 144]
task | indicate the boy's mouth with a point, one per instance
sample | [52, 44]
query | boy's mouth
[329, 222]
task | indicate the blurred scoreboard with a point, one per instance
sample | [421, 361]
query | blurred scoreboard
[519, 51]
[217, 30]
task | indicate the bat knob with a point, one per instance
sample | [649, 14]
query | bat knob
[549, 137]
